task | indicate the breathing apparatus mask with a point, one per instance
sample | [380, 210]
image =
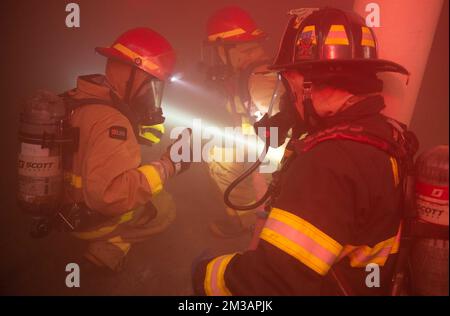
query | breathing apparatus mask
[215, 62]
[288, 123]
[143, 108]
[285, 117]
[222, 61]
[218, 62]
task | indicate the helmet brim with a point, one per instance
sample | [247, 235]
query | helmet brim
[110, 52]
[362, 64]
[247, 38]
[253, 38]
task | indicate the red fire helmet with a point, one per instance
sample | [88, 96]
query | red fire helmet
[145, 49]
[233, 24]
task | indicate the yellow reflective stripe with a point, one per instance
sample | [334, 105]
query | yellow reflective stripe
[153, 178]
[337, 36]
[246, 126]
[295, 251]
[150, 136]
[337, 41]
[361, 256]
[395, 170]
[301, 240]
[73, 180]
[365, 30]
[119, 243]
[308, 229]
[247, 129]
[102, 231]
[337, 28]
[214, 283]
[308, 29]
[367, 39]
[133, 55]
[227, 34]
[257, 32]
[366, 42]
[158, 127]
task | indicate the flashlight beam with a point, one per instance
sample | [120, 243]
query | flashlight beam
[177, 117]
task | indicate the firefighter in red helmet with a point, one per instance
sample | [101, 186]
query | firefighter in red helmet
[337, 208]
[114, 199]
[236, 61]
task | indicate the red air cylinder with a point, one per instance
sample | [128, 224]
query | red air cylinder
[429, 257]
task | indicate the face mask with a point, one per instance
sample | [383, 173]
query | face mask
[264, 91]
[287, 120]
[146, 104]
[244, 54]
[216, 69]
[146, 108]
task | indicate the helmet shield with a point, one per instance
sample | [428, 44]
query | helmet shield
[215, 62]
[265, 90]
[146, 104]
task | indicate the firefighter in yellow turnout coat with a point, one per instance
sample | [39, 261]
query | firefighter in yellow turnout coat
[240, 69]
[120, 200]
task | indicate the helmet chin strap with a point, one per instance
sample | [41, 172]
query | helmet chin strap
[312, 119]
[129, 86]
[123, 104]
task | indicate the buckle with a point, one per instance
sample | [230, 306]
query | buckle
[307, 90]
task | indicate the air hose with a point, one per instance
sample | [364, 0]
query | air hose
[255, 166]
[241, 178]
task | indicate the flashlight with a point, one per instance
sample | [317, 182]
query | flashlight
[175, 78]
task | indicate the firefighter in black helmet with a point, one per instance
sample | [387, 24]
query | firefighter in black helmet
[340, 191]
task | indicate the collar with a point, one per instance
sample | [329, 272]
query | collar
[367, 107]
[93, 86]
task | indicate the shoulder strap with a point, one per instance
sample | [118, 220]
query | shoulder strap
[354, 133]
[403, 144]
[72, 104]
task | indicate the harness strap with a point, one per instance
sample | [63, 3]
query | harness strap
[402, 147]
